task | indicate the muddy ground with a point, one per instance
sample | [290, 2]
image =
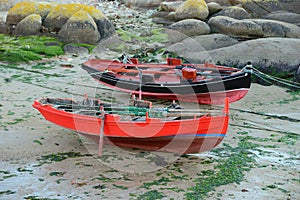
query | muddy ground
[40, 160]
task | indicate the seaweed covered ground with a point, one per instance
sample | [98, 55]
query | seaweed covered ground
[259, 158]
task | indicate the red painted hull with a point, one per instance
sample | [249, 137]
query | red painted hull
[167, 81]
[179, 136]
[210, 98]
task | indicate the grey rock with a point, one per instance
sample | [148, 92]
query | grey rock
[280, 54]
[113, 43]
[214, 7]
[221, 2]
[191, 27]
[105, 28]
[234, 12]
[202, 43]
[163, 17]
[233, 27]
[284, 16]
[4, 29]
[163, 21]
[272, 28]
[170, 6]
[250, 28]
[30, 25]
[80, 31]
[160, 14]
[262, 8]
[77, 50]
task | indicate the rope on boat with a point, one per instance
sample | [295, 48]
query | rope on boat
[271, 79]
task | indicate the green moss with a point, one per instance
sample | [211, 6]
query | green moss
[18, 49]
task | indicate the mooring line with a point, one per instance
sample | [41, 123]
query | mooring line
[276, 79]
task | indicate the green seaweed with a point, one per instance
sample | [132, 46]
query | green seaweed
[36, 198]
[4, 172]
[8, 176]
[7, 192]
[151, 195]
[120, 187]
[46, 159]
[56, 173]
[161, 181]
[38, 142]
[42, 66]
[21, 169]
[20, 49]
[230, 170]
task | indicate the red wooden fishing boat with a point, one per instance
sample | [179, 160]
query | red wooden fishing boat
[202, 83]
[157, 129]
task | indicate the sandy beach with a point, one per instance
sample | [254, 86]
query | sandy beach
[40, 160]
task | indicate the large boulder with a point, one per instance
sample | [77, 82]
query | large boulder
[280, 54]
[192, 9]
[234, 27]
[59, 15]
[23, 9]
[191, 27]
[214, 7]
[253, 27]
[80, 28]
[105, 27]
[202, 43]
[261, 8]
[30, 25]
[284, 16]
[272, 28]
[234, 12]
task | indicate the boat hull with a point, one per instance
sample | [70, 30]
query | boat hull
[181, 144]
[214, 91]
[178, 136]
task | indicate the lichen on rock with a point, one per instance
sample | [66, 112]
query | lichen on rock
[30, 25]
[80, 28]
[196, 9]
[60, 14]
[23, 9]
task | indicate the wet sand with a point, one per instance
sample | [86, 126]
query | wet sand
[42, 160]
